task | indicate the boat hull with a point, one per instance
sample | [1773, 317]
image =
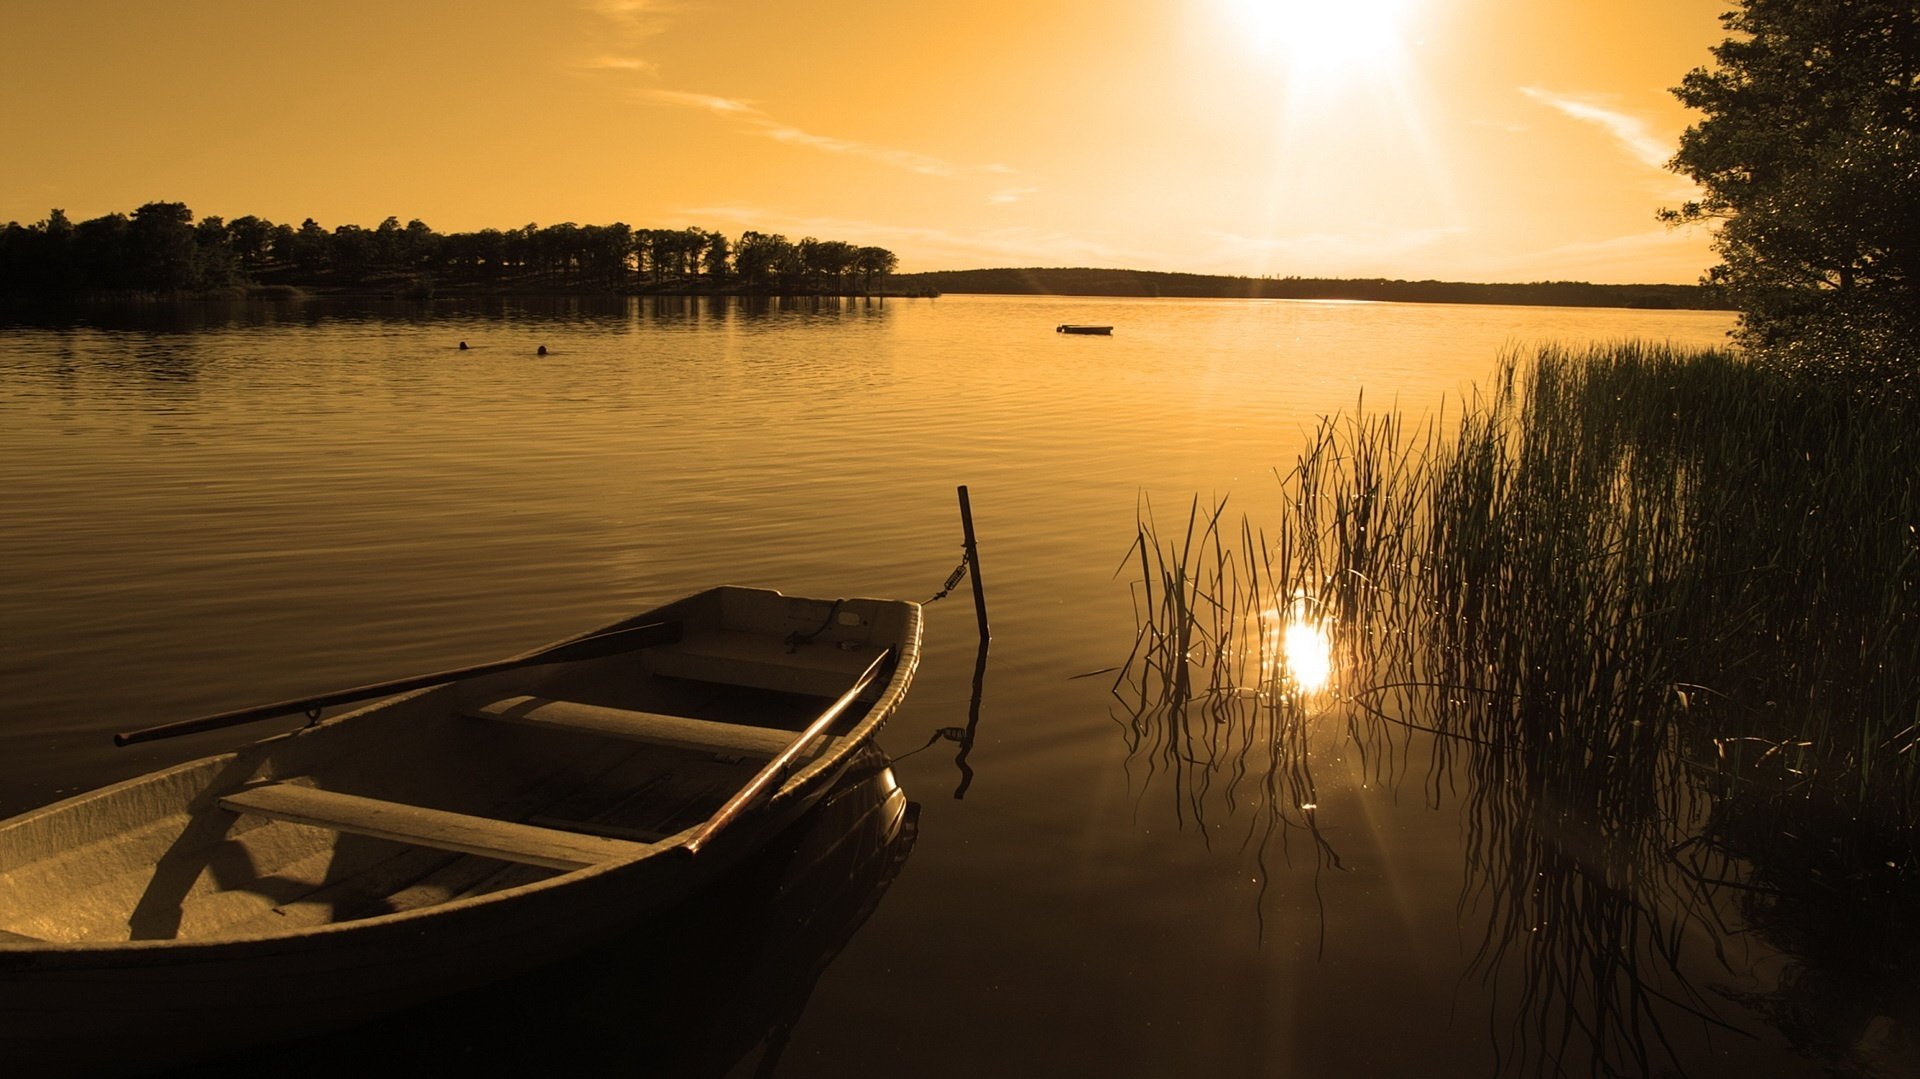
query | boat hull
[178, 984]
[149, 1004]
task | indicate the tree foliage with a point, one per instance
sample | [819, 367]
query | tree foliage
[161, 249]
[1809, 160]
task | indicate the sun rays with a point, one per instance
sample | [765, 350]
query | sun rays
[1324, 43]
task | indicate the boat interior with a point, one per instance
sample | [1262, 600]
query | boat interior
[469, 788]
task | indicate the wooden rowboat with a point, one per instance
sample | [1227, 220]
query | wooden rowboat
[449, 837]
[1068, 327]
[644, 1003]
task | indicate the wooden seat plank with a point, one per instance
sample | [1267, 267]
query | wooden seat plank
[420, 826]
[682, 732]
[816, 669]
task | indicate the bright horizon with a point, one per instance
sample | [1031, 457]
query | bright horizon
[1474, 140]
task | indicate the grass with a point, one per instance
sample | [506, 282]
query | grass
[1659, 610]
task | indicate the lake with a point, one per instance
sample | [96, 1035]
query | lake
[211, 506]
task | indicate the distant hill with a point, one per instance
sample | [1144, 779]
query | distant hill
[1096, 282]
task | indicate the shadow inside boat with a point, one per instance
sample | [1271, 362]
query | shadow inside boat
[698, 991]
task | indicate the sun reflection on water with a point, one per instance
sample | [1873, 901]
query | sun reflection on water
[1309, 655]
[1298, 656]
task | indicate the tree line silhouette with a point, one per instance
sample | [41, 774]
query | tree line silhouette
[160, 248]
[1084, 281]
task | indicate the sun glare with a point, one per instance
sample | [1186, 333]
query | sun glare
[1299, 653]
[1309, 655]
[1324, 39]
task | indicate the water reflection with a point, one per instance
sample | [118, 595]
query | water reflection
[1298, 648]
[1831, 895]
[972, 729]
[1584, 915]
[407, 505]
[1212, 703]
[174, 318]
[1550, 617]
[167, 361]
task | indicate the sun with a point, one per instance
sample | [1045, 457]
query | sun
[1326, 40]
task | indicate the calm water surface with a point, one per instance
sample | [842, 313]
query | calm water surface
[210, 507]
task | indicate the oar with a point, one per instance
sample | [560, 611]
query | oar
[776, 769]
[594, 647]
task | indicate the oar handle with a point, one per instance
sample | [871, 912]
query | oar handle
[594, 647]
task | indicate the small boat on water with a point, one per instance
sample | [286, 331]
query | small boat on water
[1068, 327]
[643, 1003]
[451, 836]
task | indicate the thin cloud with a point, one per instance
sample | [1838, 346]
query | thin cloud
[1008, 195]
[630, 23]
[635, 19]
[932, 248]
[618, 63]
[1630, 131]
[752, 119]
[724, 106]
[899, 159]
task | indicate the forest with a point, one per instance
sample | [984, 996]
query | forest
[161, 249]
[1100, 282]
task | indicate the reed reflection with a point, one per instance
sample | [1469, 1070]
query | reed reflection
[1229, 672]
[1674, 712]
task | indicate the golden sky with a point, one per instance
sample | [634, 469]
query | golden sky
[1487, 140]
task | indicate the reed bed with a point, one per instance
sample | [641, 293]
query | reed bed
[1656, 610]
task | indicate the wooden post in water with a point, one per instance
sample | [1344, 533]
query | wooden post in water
[973, 567]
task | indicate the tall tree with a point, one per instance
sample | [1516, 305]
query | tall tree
[390, 244]
[251, 238]
[310, 249]
[213, 240]
[352, 252]
[1809, 158]
[421, 244]
[874, 263]
[102, 250]
[608, 254]
[758, 259]
[162, 250]
[832, 260]
[718, 255]
[57, 268]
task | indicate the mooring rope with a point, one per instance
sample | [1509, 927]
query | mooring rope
[959, 574]
[797, 638]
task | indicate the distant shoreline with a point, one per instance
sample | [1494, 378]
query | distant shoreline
[1150, 283]
[1078, 282]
